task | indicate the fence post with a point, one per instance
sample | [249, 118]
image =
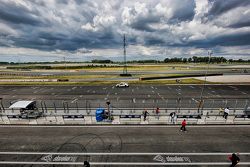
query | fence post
[55, 118]
[166, 106]
[190, 102]
[134, 105]
[55, 107]
[45, 107]
[246, 105]
[2, 107]
[212, 106]
[89, 108]
[64, 109]
[178, 105]
[86, 107]
[236, 101]
[42, 106]
[8, 120]
[225, 103]
[77, 110]
[67, 104]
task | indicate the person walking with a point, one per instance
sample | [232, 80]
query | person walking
[183, 125]
[226, 112]
[145, 114]
[234, 159]
[172, 117]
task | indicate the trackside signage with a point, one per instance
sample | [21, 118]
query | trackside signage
[57, 158]
[164, 159]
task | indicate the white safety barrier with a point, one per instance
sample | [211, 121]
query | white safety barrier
[123, 163]
[120, 163]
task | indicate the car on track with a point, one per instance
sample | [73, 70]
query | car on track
[122, 85]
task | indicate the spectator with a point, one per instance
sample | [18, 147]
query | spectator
[234, 159]
[157, 111]
[221, 111]
[145, 114]
[86, 164]
[105, 115]
[183, 125]
[226, 112]
[172, 117]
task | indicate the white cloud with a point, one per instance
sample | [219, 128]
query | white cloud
[70, 27]
[100, 22]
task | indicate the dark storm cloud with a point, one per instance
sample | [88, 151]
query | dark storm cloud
[184, 12]
[62, 2]
[181, 10]
[232, 40]
[17, 14]
[154, 41]
[243, 23]
[239, 39]
[222, 6]
[79, 2]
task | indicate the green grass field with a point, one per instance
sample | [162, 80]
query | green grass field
[95, 78]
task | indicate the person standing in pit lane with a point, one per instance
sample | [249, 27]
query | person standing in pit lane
[157, 111]
[172, 117]
[183, 125]
[145, 114]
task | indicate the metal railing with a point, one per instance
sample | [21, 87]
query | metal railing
[125, 118]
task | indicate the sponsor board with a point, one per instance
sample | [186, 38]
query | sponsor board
[171, 159]
[57, 158]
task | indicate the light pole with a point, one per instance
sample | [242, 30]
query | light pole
[109, 114]
[201, 102]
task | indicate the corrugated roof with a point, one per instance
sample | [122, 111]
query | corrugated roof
[21, 104]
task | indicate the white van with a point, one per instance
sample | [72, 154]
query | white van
[27, 109]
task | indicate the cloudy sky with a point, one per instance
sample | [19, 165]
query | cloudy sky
[80, 30]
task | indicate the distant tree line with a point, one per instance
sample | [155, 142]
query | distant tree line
[144, 61]
[102, 61]
[196, 59]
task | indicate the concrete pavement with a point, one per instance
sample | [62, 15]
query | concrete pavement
[212, 144]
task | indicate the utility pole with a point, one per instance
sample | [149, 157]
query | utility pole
[201, 102]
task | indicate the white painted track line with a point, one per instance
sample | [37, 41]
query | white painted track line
[124, 126]
[104, 153]
[121, 163]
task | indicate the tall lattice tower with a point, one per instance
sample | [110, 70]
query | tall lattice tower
[125, 71]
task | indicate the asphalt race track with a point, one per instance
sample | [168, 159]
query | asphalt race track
[136, 96]
[136, 91]
[206, 140]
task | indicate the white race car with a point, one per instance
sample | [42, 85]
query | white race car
[122, 84]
